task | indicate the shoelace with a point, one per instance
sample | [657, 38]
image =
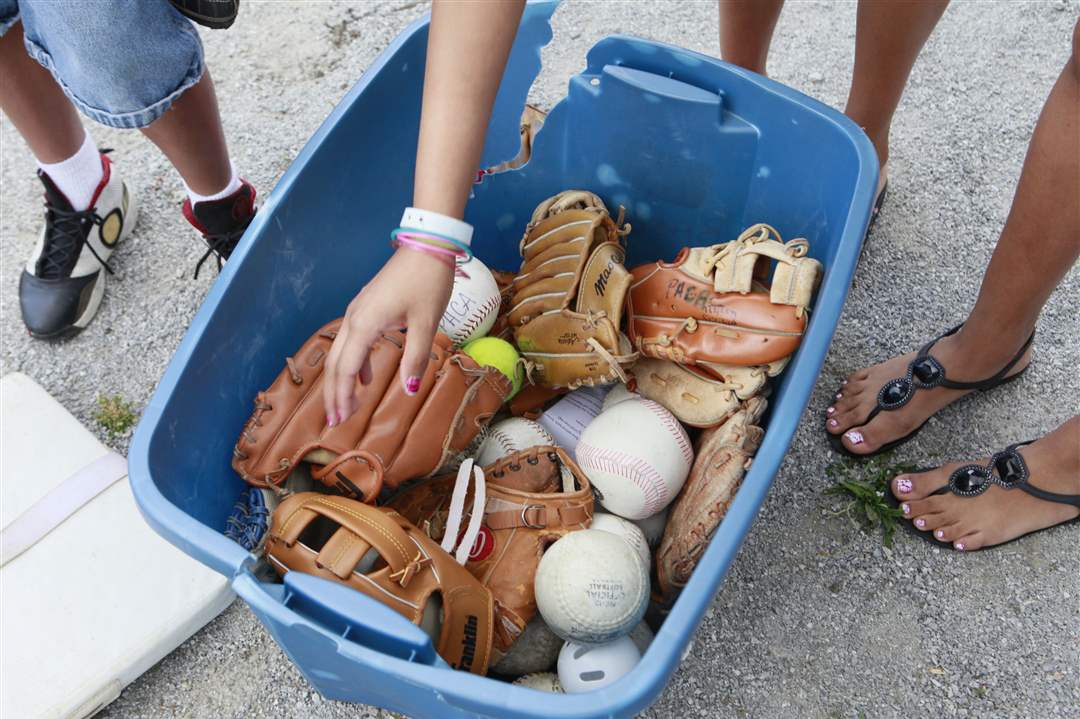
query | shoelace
[461, 548]
[66, 240]
[219, 246]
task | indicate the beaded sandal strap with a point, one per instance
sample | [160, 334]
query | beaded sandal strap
[1008, 470]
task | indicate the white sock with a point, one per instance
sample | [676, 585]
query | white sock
[233, 186]
[79, 175]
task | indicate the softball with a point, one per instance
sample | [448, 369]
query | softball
[474, 303]
[627, 530]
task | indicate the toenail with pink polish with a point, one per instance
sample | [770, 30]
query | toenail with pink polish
[905, 508]
[839, 395]
[830, 410]
[843, 383]
[920, 522]
[960, 546]
[855, 437]
[903, 485]
[940, 533]
[833, 423]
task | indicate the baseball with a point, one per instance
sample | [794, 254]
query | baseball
[509, 436]
[626, 529]
[637, 456]
[584, 668]
[541, 681]
[653, 527]
[473, 305]
[534, 651]
[591, 587]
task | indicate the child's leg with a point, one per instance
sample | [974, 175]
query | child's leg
[889, 35]
[746, 29]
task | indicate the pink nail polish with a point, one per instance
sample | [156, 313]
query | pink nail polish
[920, 522]
[843, 383]
[855, 437]
[903, 485]
[412, 385]
[839, 395]
[905, 508]
[960, 546]
[830, 410]
[342, 416]
[940, 533]
[330, 420]
[833, 423]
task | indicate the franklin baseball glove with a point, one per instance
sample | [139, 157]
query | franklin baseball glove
[516, 508]
[567, 299]
[391, 438]
[698, 398]
[711, 306]
[723, 456]
[376, 551]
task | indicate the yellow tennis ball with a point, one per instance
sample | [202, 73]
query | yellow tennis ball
[500, 354]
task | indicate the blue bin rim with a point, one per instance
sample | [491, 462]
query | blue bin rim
[640, 688]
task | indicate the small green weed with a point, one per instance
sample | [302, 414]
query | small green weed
[115, 415]
[863, 486]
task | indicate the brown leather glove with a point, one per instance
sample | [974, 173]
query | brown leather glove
[391, 438]
[530, 499]
[711, 306]
[568, 297]
[376, 551]
[723, 456]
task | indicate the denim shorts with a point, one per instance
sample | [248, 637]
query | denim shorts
[122, 62]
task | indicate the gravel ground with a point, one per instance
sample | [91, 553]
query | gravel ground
[815, 617]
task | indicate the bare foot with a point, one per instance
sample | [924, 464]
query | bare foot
[998, 514]
[964, 361]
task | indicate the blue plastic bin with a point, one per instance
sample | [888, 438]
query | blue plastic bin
[695, 149]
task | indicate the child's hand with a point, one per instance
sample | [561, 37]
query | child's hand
[410, 291]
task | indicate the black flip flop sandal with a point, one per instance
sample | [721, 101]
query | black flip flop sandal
[878, 202]
[924, 372]
[971, 480]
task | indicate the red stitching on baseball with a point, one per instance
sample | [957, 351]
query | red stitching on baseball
[636, 469]
[477, 317]
[676, 429]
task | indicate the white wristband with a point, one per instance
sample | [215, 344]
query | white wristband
[426, 220]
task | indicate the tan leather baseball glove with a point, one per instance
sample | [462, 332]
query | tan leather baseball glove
[723, 456]
[391, 438]
[516, 508]
[567, 299]
[376, 551]
[711, 305]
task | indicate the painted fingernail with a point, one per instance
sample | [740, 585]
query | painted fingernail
[839, 395]
[960, 546]
[342, 416]
[830, 410]
[920, 522]
[903, 485]
[855, 437]
[412, 385]
[330, 420]
[905, 508]
[940, 533]
[833, 423]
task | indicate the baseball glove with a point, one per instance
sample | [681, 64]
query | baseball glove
[376, 551]
[519, 505]
[698, 398]
[711, 305]
[567, 299]
[723, 456]
[391, 438]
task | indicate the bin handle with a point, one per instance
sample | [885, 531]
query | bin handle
[356, 618]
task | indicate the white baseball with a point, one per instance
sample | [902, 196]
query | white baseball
[653, 527]
[509, 436]
[637, 456]
[474, 303]
[541, 681]
[618, 393]
[630, 533]
[591, 587]
[584, 668]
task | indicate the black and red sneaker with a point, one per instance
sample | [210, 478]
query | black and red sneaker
[222, 222]
[61, 287]
[214, 14]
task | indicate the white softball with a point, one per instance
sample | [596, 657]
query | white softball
[591, 587]
[626, 529]
[584, 668]
[474, 303]
[618, 393]
[541, 681]
[509, 436]
[637, 456]
[653, 527]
